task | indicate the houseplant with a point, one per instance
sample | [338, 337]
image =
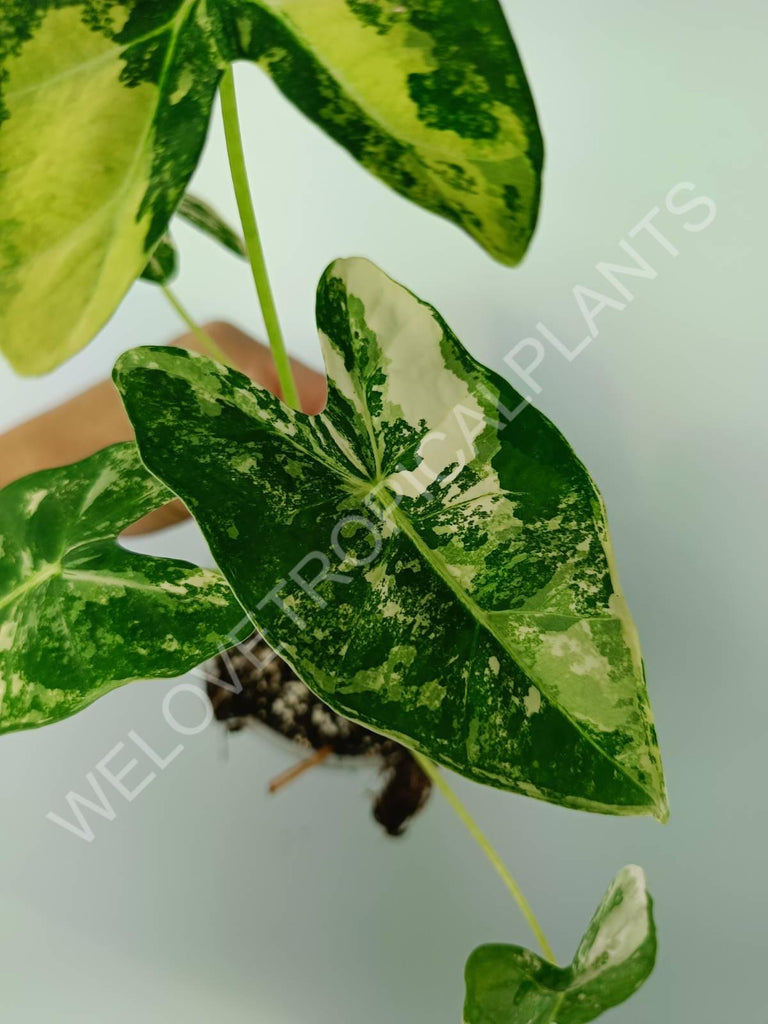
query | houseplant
[434, 559]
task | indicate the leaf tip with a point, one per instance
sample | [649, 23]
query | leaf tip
[661, 810]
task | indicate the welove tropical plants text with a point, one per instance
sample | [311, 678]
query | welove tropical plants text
[428, 553]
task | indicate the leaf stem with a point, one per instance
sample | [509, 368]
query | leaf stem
[475, 831]
[202, 336]
[252, 238]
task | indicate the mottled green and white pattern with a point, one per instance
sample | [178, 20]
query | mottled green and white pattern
[469, 603]
[511, 985]
[80, 615]
[105, 104]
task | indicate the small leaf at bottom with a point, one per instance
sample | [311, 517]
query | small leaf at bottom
[511, 985]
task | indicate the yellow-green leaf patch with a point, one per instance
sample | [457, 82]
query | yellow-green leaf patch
[104, 109]
[429, 95]
[103, 112]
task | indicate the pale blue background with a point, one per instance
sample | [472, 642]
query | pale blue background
[205, 900]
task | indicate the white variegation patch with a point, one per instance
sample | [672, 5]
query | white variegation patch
[623, 925]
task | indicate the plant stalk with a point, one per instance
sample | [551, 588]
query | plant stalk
[436, 776]
[253, 239]
[202, 336]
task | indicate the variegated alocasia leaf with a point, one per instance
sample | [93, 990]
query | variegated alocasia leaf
[428, 553]
[104, 108]
[80, 615]
[511, 985]
[429, 95]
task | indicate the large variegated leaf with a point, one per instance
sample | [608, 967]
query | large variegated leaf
[511, 985]
[429, 95]
[104, 107]
[477, 618]
[80, 615]
[103, 112]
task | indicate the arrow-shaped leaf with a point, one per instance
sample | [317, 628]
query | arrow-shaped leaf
[476, 618]
[429, 95]
[511, 985]
[80, 615]
[104, 108]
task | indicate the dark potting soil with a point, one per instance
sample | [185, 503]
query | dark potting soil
[253, 684]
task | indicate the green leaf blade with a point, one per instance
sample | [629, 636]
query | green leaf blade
[432, 101]
[80, 615]
[429, 566]
[102, 118]
[511, 985]
[104, 111]
[618, 950]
